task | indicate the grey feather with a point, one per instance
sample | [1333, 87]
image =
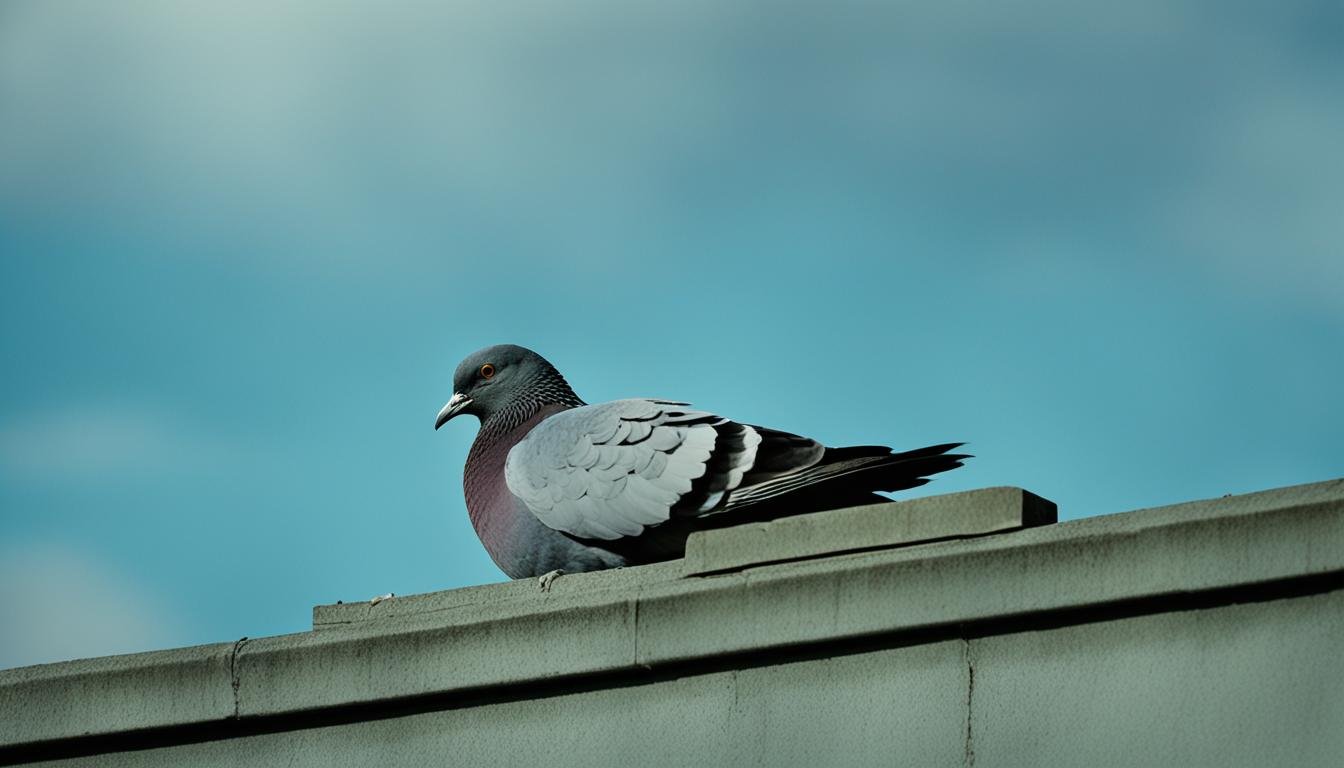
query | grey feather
[595, 483]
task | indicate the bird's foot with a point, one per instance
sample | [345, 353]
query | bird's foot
[545, 579]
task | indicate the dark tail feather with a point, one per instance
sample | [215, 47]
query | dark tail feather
[848, 476]
[913, 468]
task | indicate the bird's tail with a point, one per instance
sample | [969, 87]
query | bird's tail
[848, 476]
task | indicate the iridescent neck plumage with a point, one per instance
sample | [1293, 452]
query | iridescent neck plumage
[546, 387]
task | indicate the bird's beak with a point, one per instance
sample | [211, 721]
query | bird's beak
[453, 408]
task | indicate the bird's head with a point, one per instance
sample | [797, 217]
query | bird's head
[494, 378]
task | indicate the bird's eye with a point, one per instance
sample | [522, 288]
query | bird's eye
[487, 371]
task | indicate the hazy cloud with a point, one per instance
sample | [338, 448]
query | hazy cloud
[101, 442]
[398, 131]
[58, 604]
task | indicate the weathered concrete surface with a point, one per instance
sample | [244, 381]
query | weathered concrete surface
[904, 707]
[646, 657]
[116, 693]
[586, 629]
[1252, 685]
[882, 526]
[1223, 543]
[418, 656]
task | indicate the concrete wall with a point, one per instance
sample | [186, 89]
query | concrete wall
[1199, 634]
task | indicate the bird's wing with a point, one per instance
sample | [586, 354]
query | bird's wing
[611, 470]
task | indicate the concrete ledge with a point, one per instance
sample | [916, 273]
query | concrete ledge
[421, 655]
[509, 635]
[112, 694]
[470, 603]
[881, 526]
[1188, 548]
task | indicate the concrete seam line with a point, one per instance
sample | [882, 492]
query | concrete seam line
[234, 679]
[635, 609]
[969, 759]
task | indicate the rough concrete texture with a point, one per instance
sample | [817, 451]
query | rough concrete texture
[415, 656]
[1169, 551]
[642, 660]
[894, 707]
[1253, 685]
[116, 693]
[586, 629]
[953, 515]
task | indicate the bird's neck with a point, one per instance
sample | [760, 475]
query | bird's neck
[544, 392]
[550, 394]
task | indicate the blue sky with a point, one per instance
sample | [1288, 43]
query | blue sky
[243, 246]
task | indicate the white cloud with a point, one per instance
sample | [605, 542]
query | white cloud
[288, 116]
[1207, 129]
[58, 604]
[99, 442]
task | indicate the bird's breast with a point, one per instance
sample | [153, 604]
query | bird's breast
[500, 520]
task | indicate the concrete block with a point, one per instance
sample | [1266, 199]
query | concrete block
[879, 526]
[116, 693]
[1251, 685]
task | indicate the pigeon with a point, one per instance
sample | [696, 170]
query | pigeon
[554, 485]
